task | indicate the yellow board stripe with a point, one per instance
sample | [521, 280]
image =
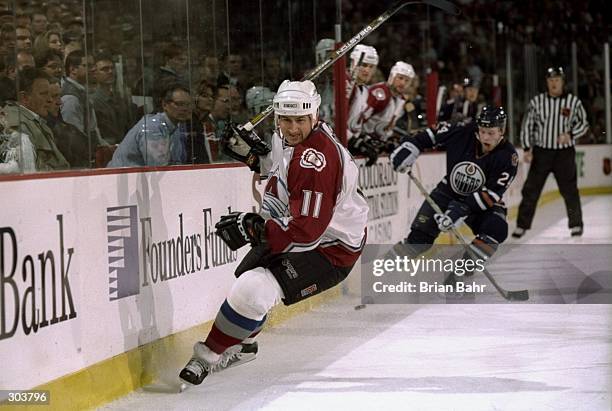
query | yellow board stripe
[162, 359]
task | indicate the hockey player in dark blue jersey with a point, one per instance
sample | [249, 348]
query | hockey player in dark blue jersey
[480, 166]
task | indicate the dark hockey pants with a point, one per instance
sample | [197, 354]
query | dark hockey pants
[562, 163]
[490, 223]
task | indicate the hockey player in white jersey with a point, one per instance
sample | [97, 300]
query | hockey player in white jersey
[307, 237]
[384, 105]
[364, 60]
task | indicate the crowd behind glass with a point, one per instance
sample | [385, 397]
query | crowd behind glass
[86, 84]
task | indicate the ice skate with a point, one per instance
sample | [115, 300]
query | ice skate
[518, 232]
[200, 365]
[237, 355]
[576, 231]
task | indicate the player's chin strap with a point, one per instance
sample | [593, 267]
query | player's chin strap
[521, 295]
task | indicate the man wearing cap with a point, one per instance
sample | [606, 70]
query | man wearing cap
[552, 123]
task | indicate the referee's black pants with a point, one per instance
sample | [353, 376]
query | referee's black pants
[562, 163]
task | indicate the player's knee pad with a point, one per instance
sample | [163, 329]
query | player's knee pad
[254, 293]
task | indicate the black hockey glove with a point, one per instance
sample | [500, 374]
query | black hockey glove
[389, 145]
[364, 145]
[404, 156]
[244, 146]
[237, 229]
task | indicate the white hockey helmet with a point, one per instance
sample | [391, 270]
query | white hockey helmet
[403, 68]
[370, 55]
[258, 98]
[297, 98]
[323, 48]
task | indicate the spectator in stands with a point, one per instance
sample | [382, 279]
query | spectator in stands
[72, 41]
[25, 59]
[232, 70]
[463, 102]
[7, 39]
[51, 63]
[51, 39]
[6, 17]
[70, 140]
[221, 111]
[273, 73]
[209, 70]
[158, 139]
[202, 142]
[77, 107]
[174, 64]
[23, 19]
[414, 118]
[27, 116]
[39, 24]
[23, 39]
[14, 63]
[114, 115]
[53, 11]
[17, 153]
[74, 25]
[220, 116]
[238, 111]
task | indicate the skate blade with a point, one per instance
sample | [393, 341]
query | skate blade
[243, 360]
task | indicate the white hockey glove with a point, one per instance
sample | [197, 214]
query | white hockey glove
[453, 217]
[404, 156]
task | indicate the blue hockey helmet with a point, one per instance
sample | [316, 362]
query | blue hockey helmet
[492, 116]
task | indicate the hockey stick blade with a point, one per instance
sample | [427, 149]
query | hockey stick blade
[356, 39]
[522, 295]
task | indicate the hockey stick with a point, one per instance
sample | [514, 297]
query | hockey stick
[354, 75]
[314, 73]
[520, 295]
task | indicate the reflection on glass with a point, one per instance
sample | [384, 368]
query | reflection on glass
[114, 61]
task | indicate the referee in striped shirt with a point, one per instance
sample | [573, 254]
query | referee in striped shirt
[554, 120]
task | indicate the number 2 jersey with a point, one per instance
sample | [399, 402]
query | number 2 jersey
[312, 199]
[476, 178]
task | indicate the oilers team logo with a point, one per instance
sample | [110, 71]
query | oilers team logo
[466, 178]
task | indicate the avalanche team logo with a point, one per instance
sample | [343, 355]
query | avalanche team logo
[466, 178]
[312, 158]
[379, 94]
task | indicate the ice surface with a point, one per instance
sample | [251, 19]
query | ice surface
[426, 357]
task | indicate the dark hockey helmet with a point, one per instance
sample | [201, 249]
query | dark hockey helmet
[492, 116]
[469, 82]
[555, 72]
